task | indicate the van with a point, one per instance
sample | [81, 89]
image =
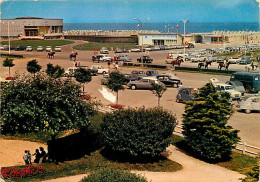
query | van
[251, 81]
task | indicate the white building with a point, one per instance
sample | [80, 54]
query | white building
[31, 28]
[159, 39]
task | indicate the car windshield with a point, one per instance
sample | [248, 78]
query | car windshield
[228, 88]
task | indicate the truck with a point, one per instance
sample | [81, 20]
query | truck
[250, 80]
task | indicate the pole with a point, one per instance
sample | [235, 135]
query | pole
[8, 36]
[184, 41]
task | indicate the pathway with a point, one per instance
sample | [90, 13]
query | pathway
[193, 170]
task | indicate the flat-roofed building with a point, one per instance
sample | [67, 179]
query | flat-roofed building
[31, 28]
[159, 39]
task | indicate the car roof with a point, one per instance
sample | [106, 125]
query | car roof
[221, 84]
[150, 78]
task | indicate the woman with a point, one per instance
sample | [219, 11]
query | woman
[37, 156]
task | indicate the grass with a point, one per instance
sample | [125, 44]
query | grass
[36, 43]
[238, 162]
[91, 46]
[96, 161]
[205, 72]
[227, 54]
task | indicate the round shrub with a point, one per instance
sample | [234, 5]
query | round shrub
[113, 175]
[140, 134]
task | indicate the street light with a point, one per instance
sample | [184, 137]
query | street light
[142, 27]
[184, 22]
[8, 33]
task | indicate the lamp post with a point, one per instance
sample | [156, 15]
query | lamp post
[184, 22]
[8, 33]
[142, 27]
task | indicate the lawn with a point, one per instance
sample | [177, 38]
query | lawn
[35, 43]
[91, 46]
[238, 162]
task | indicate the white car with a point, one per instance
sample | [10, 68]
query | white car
[228, 88]
[70, 71]
[136, 50]
[104, 50]
[234, 60]
[29, 48]
[249, 103]
[198, 58]
[100, 69]
[104, 57]
[39, 48]
[48, 48]
[57, 49]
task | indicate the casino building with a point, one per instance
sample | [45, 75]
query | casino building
[31, 28]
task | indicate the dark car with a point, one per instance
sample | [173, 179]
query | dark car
[152, 73]
[168, 81]
[184, 94]
[19, 48]
[144, 59]
[245, 60]
[135, 75]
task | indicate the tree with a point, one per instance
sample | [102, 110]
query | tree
[8, 63]
[54, 71]
[115, 82]
[33, 67]
[138, 134]
[42, 103]
[83, 75]
[159, 90]
[205, 124]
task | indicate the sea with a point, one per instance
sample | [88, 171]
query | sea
[191, 27]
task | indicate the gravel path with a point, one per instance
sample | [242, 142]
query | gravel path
[193, 170]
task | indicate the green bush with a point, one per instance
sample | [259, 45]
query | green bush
[138, 134]
[113, 175]
[42, 104]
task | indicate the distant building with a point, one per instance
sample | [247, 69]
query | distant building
[159, 39]
[31, 28]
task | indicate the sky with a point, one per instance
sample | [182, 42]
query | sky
[123, 11]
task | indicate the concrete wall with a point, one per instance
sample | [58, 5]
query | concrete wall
[103, 39]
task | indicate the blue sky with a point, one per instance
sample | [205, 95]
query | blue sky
[117, 11]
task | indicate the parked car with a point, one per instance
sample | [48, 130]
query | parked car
[221, 59]
[135, 75]
[71, 71]
[101, 57]
[19, 48]
[29, 48]
[245, 60]
[251, 81]
[104, 50]
[144, 83]
[234, 60]
[118, 50]
[198, 58]
[100, 69]
[237, 85]
[48, 49]
[39, 48]
[212, 58]
[57, 49]
[152, 73]
[144, 59]
[124, 58]
[234, 94]
[136, 50]
[104, 79]
[184, 94]
[249, 103]
[168, 81]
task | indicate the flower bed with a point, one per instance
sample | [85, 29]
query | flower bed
[116, 106]
[86, 97]
[15, 173]
[9, 78]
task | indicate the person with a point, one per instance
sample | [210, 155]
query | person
[252, 65]
[43, 154]
[108, 64]
[37, 156]
[25, 157]
[180, 86]
[78, 63]
[29, 157]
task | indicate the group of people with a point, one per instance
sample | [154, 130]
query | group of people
[40, 156]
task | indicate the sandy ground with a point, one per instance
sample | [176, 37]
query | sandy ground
[11, 151]
[193, 170]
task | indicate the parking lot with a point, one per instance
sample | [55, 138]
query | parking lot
[248, 124]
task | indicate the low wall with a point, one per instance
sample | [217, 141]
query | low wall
[103, 39]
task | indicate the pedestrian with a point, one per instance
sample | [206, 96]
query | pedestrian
[76, 64]
[29, 157]
[43, 154]
[252, 65]
[37, 156]
[108, 64]
[25, 157]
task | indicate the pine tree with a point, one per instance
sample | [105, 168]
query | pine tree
[205, 124]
